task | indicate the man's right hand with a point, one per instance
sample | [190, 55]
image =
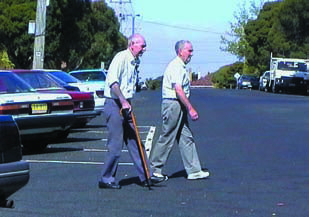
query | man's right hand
[125, 105]
[193, 114]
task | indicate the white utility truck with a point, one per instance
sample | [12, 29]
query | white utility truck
[287, 74]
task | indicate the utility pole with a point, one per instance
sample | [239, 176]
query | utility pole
[39, 40]
[133, 21]
[122, 14]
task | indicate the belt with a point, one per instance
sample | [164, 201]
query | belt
[170, 99]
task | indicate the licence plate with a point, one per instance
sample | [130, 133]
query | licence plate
[292, 85]
[39, 108]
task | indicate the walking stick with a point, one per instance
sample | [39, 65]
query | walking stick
[140, 147]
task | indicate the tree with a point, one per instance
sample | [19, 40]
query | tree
[87, 34]
[293, 24]
[224, 77]
[78, 32]
[234, 41]
[281, 29]
[14, 37]
[257, 34]
[5, 63]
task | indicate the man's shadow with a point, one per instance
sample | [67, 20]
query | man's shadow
[130, 181]
[182, 173]
[136, 181]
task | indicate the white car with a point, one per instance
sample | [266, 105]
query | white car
[38, 115]
[87, 85]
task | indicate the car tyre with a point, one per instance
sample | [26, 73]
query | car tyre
[34, 146]
[63, 135]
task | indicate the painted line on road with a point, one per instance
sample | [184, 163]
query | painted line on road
[105, 131]
[100, 150]
[74, 162]
[105, 140]
[149, 139]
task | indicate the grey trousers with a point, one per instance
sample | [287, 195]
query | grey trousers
[120, 131]
[175, 129]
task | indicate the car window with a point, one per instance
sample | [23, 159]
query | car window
[39, 80]
[65, 77]
[90, 76]
[11, 84]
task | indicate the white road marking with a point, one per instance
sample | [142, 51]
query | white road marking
[147, 142]
[149, 139]
[100, 150]
[105, 140]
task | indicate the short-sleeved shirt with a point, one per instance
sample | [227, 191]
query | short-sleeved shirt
[175, 73]
[122, 71]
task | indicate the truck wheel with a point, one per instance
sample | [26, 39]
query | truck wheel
[275, 88]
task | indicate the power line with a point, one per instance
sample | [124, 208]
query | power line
[182, 27]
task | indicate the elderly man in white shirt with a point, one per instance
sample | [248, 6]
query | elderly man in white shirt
[175, 109]
[119, 90]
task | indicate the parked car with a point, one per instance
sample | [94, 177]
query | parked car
[38, 115]
[68, 79]
[42, 81]
[248, 82]
[264, 81]
[14, 172]
[95, 79]
[143, 86]
[82, 86]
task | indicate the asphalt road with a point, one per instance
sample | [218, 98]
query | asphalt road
[255, 145]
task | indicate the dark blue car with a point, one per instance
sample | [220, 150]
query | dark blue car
[14, 172]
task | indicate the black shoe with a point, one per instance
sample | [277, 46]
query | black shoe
[111, 185]
[158, 179]
[147, 184]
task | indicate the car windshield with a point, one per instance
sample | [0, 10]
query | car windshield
[294, 66]
[250, 78]
[65, 77]
[9, 83]
[90, 76]
[39, 80]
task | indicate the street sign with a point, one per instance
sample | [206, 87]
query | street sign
[236, 75]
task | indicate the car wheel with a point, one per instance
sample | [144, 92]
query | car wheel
[63, 135]
[80, 124]
[34, 146]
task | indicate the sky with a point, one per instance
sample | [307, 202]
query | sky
[164, 22]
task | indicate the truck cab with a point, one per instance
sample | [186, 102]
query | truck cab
[288, 74]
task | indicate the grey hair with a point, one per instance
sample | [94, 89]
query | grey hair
[180, 45]
[134, 38]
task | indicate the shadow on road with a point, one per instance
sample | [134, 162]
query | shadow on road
[69, 140]
[51, 150]
[182, 173]
[130, 181]
[178, 174]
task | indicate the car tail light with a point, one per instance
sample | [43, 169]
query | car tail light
[100, 93]
[81, 95]
[14, 109]
[62, 106]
